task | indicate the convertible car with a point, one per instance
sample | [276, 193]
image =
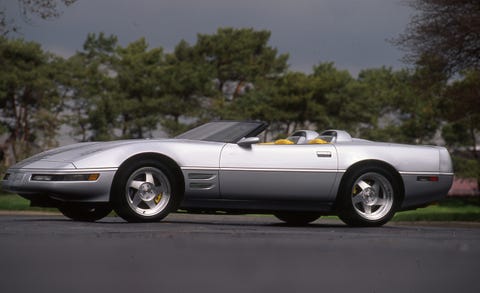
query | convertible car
[222, 167]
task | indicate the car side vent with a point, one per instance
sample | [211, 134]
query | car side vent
[201, 185]
[200, 176]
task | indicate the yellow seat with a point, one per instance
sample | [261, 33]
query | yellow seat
[317, 141]
[284, 141]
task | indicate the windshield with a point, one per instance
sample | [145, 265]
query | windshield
[224, 131]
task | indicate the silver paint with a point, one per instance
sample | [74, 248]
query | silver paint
[216, 170]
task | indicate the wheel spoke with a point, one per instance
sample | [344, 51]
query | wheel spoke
[363, 185]
[357, 198]
[151, 204]
[148, 192]
[136, 184]
[149, 178]
[372, 199]
[367, 209]
[136, 199]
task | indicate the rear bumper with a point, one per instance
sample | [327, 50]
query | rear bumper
[19, 181]
[420, 192]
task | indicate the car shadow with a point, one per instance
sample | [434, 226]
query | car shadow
[248, 221]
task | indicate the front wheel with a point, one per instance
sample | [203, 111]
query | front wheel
[370, 197]
[145, 191]
[84, 213]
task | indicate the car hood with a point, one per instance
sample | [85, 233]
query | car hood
[110, 155]
[66, 156]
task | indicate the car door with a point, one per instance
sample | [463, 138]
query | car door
[279, 172]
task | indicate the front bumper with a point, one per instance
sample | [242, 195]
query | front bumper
[20, 181]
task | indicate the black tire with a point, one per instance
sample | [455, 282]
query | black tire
[85, 213]
[139, 203]
[297, 218]
[369, 197]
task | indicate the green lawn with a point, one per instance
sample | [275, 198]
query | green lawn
[450, 209]
[11, 202]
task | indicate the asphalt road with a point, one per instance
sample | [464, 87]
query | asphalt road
[200, 253]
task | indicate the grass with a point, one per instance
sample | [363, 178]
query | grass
[450, 209]
[12, 202]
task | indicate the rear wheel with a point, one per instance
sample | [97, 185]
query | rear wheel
[370, 197]
[84, 213]
[144, 191]
[297, 218]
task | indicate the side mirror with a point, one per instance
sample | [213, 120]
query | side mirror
[247, 142]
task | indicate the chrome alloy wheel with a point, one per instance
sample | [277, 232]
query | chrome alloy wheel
[148, 191]
[372, 196]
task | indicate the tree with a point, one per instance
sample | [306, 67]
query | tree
[31, 104]
[329, 98]
[418, 104]
[377, 92]
[292, 102]
[186, 81]
[238, 60]
[91, 82]
[446, 29]
[45, 9]
[443, 40]
[138, 92]
[461, 107]
[240, 56]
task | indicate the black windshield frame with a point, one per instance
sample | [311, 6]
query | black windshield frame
[225, 131]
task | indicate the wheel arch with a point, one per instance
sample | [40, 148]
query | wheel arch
[372, 163]
[169, 162]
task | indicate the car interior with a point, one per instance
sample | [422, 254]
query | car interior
[302, 137]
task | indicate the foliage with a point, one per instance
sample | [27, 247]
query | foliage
[137, 93]
[240, 56]
[466, 167]
[420, 113]
[444, 29]
[91, 85]
[238, 59]
[45, 9]
[31, 103]
[186, 80]
[108, 91]
[462, 109]
[443, 40]
[378, 92]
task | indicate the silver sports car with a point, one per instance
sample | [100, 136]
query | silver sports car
[222, 167]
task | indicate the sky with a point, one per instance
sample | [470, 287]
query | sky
[351, 33]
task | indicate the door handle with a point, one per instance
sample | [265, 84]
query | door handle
[324, 154]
